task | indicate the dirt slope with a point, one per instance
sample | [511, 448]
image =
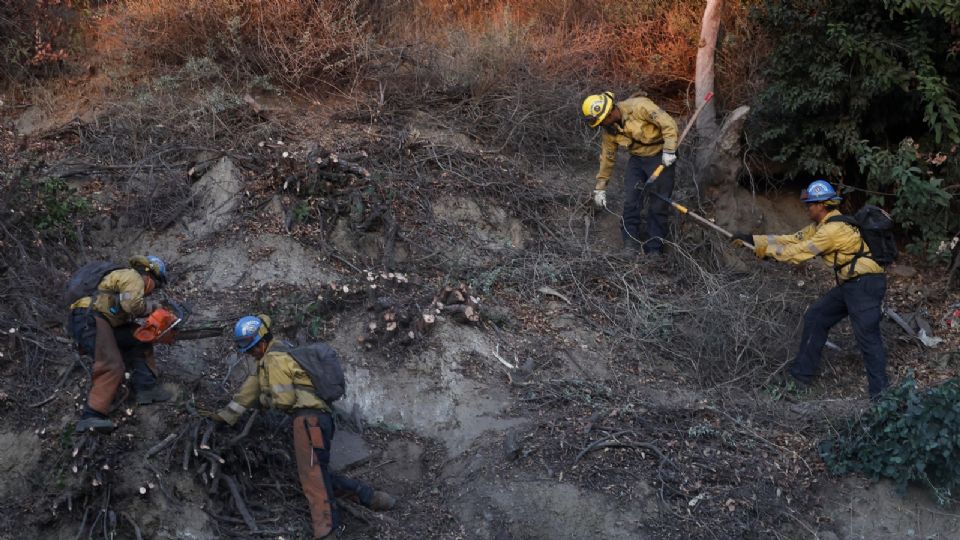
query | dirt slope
[544, 419]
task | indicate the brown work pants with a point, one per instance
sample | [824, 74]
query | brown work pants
[308, 437]
[109, 367]
[312, 434]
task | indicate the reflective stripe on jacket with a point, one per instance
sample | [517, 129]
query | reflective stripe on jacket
[119, 299]
[647, 130]
[837, 243]
[280, 383]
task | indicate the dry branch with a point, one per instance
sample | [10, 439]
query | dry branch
[246, 429]
[136, 528]
[239, 503]
[611, 441]
[161, 445]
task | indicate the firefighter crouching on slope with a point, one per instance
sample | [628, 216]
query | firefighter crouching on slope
[650, 135]
[103, 325]
[280, 382]
[861, 285]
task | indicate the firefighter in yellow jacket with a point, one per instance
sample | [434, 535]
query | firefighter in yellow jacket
[102, 324]
[650, 135]
[281, 383]
[861, 285]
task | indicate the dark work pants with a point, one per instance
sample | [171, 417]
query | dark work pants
[658, 212]
[312, 433]
[860, 299]
[116, 350]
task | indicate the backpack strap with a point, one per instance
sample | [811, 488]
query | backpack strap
[862, 252]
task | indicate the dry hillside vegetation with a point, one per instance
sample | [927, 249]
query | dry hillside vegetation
[406, 181]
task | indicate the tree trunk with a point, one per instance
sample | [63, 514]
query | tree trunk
[709, 29]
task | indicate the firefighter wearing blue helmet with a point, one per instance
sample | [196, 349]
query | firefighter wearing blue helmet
[861, 284]
[282, 382]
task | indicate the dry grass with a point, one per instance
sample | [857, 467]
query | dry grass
[297, 43]
[649, 46]
[628, 47]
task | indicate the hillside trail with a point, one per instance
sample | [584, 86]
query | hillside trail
[445, 424]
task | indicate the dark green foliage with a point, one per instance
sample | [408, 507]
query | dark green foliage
[58, 205]
[912, 435]
[49, 210]
[865, 92]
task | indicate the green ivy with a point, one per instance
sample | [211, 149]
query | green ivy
[921, 202]
[911, 435]
[56, 207]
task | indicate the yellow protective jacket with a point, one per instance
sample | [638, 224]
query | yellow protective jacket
[119, 299]
[836, 243]
[280, 383]
[646, 131]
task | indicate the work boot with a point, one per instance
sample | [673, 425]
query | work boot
[153, 394]
[100, 425]
[382, 501]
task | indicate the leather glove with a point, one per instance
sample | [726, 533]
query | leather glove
[600, 198]
[669, 158]
[150, 306]
[226, 416]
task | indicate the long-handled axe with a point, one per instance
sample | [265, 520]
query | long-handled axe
[700, 220]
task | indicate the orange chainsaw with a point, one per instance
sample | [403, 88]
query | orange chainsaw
[161, 325]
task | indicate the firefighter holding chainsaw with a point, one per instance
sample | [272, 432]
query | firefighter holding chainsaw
[861, 282]
[105, 299]
[301, 381]
[650, 135]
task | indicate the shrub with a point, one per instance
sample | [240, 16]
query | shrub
[910, 436]
[298, 43]
[922, 201]
[863, 92]
[37, 35]
[58, 205]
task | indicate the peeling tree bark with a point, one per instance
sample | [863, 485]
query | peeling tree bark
[705, 73]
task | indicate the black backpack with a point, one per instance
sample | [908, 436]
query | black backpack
[322, 365]
[85, 281]
[876, 232]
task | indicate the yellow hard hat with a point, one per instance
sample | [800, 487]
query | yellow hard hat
[597, 107]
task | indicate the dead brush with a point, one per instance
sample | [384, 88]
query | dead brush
[148, 144]
[297, 43]
[716, 326]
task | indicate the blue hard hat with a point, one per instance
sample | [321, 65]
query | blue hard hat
[819, 191]
[248, 331]
[158, 268]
